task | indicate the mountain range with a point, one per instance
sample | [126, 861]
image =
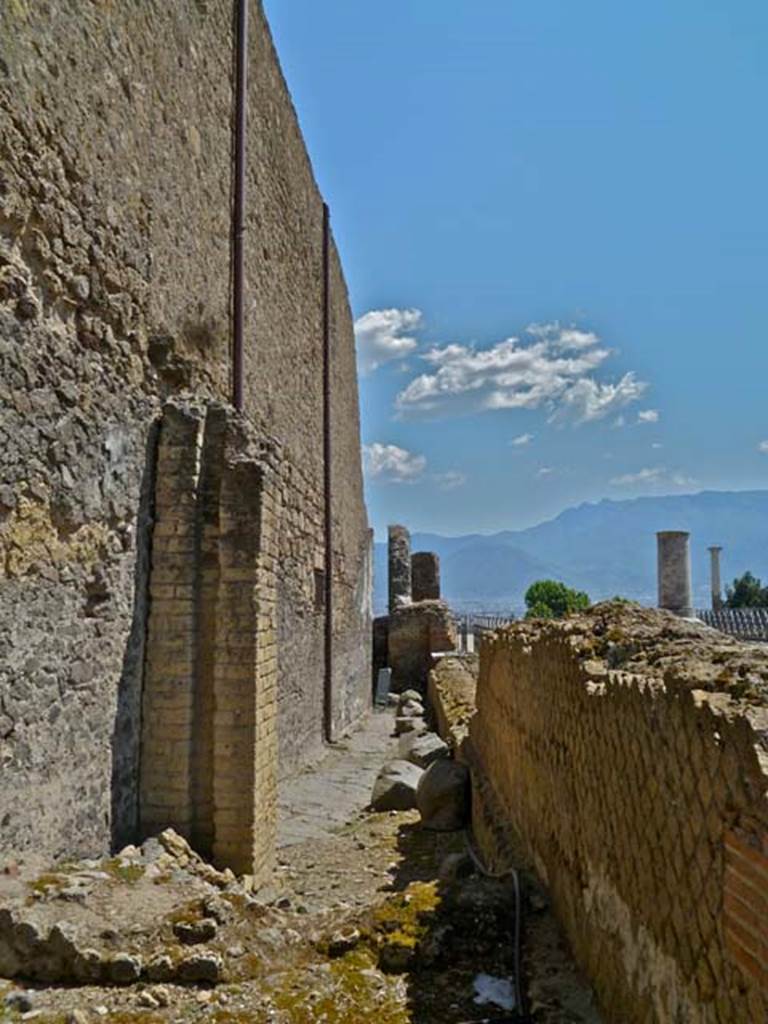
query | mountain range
[606, 548]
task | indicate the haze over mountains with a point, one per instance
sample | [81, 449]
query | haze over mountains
[605, 548]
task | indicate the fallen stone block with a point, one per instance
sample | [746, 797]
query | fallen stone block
[411, 709]
[442, 796]
[395, 787]
[402, 725]
[426, 749]
[124, 969]
[203, 966]
[405, 743]
[407, 695]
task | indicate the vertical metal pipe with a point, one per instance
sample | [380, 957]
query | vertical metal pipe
[327, 481]
[238, 210]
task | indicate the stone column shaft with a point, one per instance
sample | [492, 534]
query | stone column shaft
[674, 572]
[425, 576]
[716, 585]
[399, 551]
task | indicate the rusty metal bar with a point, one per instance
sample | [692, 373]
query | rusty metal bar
[238, 208]
[327, 479]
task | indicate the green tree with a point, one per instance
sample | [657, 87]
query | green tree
[550, 599]
[747, 592]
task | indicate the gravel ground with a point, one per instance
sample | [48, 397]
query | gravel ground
[368, 918]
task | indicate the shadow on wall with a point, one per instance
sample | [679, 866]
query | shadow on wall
[126, 733]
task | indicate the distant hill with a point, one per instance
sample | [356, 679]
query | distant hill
[605, 548]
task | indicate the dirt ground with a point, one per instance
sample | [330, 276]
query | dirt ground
[378, 920]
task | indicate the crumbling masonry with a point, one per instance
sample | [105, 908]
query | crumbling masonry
[623, 754]
[419, 623]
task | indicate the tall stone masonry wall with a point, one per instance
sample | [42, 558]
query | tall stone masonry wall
[626, 753]
[115, 182]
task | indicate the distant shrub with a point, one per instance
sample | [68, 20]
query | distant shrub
[551, 599]
[747, 592]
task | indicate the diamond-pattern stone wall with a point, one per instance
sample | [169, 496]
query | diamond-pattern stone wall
[626, 753]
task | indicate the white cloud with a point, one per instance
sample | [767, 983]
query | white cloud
[381, 336]
[643, 476]
[763, 446]
[520, 440]
[657, 475]
[552, 371]
[587, 399]
[657, 445]
[648, 416]
[391, 464]
[450, 481]
[681, 480]
[544, 471]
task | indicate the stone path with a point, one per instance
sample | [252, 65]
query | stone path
[332, 792]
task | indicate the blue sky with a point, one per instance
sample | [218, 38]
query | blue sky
[597, 169]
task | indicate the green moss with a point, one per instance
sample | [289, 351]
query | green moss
[47, 882]
[353, 995]
[129, 873]
[404, 911]
[245, 968]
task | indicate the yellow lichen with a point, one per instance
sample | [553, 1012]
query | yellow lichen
[29, 537]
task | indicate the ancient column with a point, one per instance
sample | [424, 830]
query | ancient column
[399, 567]
[674, 572]
[717, 600]
[425, 576]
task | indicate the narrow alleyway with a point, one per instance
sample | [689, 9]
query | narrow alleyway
[326, 796]
[368, 919]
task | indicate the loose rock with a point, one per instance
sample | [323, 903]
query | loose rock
[200, 967]
[407, 695]
[403, 725]
[124, 969]
[342, 942]
[426, 749]
[18, 1001]
[411, 709]
[395, 787]
[442, 796]
[191, 933]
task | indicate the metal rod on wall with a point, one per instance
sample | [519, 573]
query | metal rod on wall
[238, 211]
[328, 679]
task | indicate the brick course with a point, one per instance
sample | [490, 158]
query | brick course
[619, 751]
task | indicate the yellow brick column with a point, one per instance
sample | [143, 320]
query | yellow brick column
[245, 673]
[168, 701]
[207, 610]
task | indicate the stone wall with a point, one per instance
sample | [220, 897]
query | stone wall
[415, 632]
[627, 752]
[114, 296]
[451, 692]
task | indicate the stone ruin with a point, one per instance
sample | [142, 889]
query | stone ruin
[419, 623]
